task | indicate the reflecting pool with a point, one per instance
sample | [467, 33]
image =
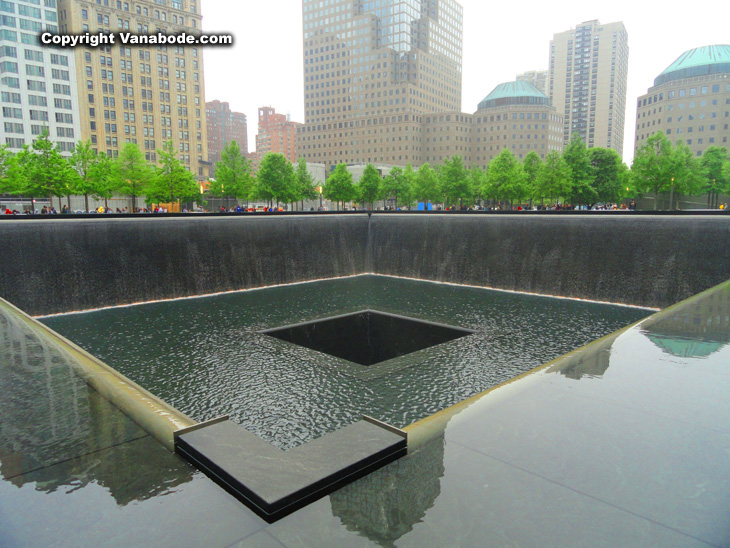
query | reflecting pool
[205, 357]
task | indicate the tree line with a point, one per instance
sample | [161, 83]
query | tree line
[41, 171]
[579, 176]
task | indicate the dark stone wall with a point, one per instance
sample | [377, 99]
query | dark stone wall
[55, 265]
[49, 266]
[642, 260]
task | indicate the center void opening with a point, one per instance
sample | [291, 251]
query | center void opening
[367, 337]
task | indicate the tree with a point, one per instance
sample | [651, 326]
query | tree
[531, 165]
[276, 178]
[715, 163]
[686, 173]
[306, 188]
[369, 187]
[476, 181]
[577, 159]
[608, 174]
[506, 178]
[553, 178]
[453, 179]
[171, 180]
[397, 184]
[82, 161]
[653, 166]
[131, 172]
[40, 170]
[426, 186]
[232, 174]
[102, 173]
[6, 166]
[339, 187]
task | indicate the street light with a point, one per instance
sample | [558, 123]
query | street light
[671, 195]
[319, 189]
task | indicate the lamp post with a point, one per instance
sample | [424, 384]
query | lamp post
[671, 195]
[319, 189]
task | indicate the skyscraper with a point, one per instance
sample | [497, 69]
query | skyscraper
[371, 69]
[224, 126]
[588, 75]
[277, 134]
[145, 95]
[38, 84]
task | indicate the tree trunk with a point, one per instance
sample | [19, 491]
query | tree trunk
[86, 202]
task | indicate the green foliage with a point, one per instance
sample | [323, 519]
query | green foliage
[276, 180]
[715, 164]
[131, 173]
[40, 170]
[397, 184]
[477, 177]
[553, 178]
[531, 165]
[582, 175]
[506, 178]
[426, 186]
[82, 161]
[339, 186]
[369, 187]
[609, 174]
[6, 163]
[171, 180]
[306, 189]
[652, 170]
[233, 176]
[453, 179]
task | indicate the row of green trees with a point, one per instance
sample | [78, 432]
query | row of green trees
[276, 180]
[661, 168]
[579, 176]
[40, 171]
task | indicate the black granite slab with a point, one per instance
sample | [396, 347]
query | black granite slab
[275, 483]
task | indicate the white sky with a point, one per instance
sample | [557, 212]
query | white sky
[501, 40]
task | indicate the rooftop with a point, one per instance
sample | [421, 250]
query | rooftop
[697, 62]
[514, 93]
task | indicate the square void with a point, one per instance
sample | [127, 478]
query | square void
[367, 337]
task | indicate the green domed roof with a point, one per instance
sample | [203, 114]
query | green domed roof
[697, 62]
[514, 93]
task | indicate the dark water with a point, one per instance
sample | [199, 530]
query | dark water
[205, 358]
[55, 265]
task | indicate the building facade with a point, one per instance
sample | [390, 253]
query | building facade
[276, 134]
[146, 95]
[37, 83]
[588, 77]
[538, 78]
[690, 101]
[224, 126]
[519, 117]
[372, 69]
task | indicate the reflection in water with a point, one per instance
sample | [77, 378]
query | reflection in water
[386, 504]
[59, 434]
[696, 330]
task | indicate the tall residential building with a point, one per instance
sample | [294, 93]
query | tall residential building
[224, 126]
[372, 68]
[538, 78]
[147, 94]
[276, 133]
[37, 84]
[588, 74]
[689, 101]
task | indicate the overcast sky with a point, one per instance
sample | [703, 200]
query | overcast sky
[264, 67]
